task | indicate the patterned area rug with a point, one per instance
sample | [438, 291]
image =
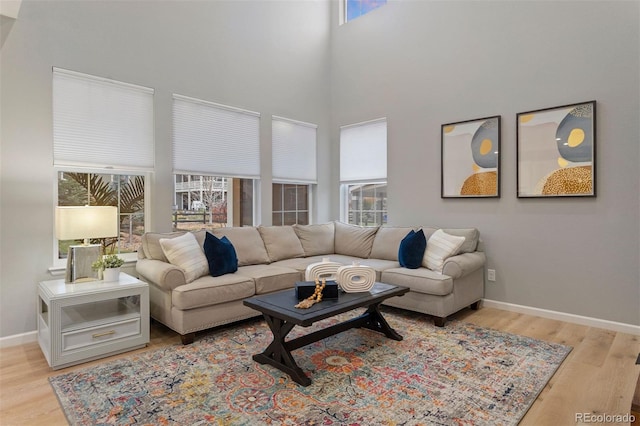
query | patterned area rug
[459, 374]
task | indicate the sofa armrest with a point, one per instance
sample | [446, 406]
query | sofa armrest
[162, 274]
[463, 264]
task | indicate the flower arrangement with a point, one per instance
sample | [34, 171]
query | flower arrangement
[107, 262]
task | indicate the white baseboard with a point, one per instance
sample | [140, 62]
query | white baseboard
[562, 316]
[18, 339]
[32, 336]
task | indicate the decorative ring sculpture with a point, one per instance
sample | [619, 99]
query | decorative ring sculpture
[355, 278]
[325, 269]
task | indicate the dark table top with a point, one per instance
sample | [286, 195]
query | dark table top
[281, 304]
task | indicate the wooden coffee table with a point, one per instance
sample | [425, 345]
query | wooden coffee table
[281, 315]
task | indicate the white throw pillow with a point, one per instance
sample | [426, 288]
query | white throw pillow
[440, 246]
[185, 252]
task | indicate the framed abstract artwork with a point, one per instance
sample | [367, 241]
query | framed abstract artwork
[556, 151]
[471, 158]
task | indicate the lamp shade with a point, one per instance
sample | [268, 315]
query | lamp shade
[82, 222]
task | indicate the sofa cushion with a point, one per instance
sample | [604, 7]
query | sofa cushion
[221, 255]
[151, 244]
[185, 252]
[298, 263]
[199, 234]
[387, 240]
[354, 240]
[471, 237]
[270, 278]
[247, 242]
[344, 259]
[421, 280]
[412, 249]
[208, 290]
[440, 246]
[281, 242]
[380, 265]
[316, 239]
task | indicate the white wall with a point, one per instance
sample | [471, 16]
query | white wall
[270, 57]
[425, 63]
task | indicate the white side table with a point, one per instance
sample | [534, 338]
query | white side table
[87, 321]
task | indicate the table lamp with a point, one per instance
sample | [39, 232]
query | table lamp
[84, 222]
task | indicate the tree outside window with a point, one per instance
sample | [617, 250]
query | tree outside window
[126, 192]
[204, 202]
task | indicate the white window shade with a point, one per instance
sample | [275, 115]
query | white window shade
[293, 151]
[213, 139]
[363, 151]
[101, 122]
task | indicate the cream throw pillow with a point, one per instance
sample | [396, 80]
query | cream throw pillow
[440, 246]
[185, 252]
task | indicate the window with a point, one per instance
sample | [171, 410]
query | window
[103, 151]
[290, 204]
[210, 202]
[356, 8]
[200, 202]
[216, 159]
[294, 170]
[367, 204]
[124, 191]
[363, 172]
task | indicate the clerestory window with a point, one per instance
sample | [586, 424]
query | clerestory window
[356, 8]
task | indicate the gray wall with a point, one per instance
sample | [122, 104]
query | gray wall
[420, 64]
[270, 57]
[425, 63]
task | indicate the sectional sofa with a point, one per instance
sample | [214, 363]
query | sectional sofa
[187, 298]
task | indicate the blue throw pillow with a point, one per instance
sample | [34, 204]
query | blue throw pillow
[221, 255]
[412, 249]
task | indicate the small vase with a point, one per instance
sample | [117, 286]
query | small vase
[325, 269]
[111, 274]
[355, 278]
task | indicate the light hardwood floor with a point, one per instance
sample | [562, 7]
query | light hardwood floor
[599, 376]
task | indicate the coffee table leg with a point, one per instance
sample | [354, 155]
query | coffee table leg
[277, 353]
[376, 322]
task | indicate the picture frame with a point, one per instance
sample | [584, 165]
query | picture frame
[470, 158]
[556, 151]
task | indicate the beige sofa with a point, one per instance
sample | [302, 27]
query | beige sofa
[275, 257]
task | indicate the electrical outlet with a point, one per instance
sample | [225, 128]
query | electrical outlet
[491, 274]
